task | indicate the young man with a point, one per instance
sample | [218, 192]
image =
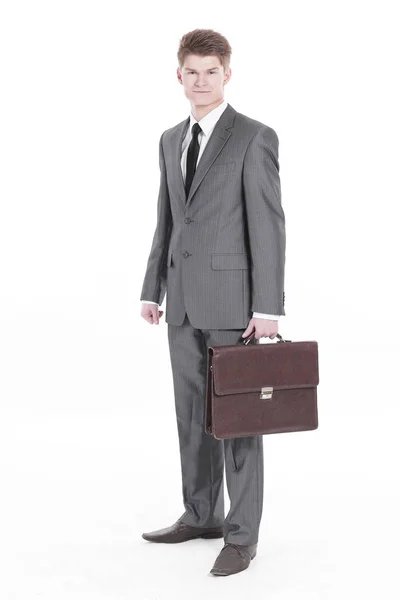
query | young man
[218, 252]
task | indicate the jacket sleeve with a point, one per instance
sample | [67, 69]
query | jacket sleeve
[155, 279]
[265, 222]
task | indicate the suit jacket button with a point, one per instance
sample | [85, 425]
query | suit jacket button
[185, 254]
[188, 220]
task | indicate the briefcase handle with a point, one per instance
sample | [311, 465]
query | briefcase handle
[250, 337]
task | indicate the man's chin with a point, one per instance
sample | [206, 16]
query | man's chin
[201, 99]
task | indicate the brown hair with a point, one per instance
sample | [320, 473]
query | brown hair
[205, 42]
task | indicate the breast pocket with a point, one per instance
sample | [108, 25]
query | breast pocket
[226, 166]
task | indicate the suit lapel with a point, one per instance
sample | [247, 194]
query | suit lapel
[176, 142]
[219, 136]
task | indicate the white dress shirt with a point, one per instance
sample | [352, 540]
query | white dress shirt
[207, 124]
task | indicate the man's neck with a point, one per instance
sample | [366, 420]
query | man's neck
[201, 111]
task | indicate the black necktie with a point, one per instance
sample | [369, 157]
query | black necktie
[192, 155]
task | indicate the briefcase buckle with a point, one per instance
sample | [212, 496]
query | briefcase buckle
[266, 393]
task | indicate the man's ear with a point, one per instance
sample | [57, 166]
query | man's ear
[228, 75]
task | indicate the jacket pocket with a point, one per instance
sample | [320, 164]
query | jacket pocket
[229, 261]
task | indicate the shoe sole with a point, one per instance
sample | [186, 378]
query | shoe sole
[211, 536]
[207, 536]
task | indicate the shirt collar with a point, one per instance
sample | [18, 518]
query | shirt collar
[209, 120]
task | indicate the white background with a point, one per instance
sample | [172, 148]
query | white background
[89, 449]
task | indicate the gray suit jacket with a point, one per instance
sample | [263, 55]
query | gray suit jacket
[220, 255]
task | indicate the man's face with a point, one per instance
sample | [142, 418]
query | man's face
[203, 79]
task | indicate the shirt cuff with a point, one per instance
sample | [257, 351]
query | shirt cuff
[259, 315]
[149, 302]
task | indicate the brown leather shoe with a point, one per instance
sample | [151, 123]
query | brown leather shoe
[180, 532]
[233, 558]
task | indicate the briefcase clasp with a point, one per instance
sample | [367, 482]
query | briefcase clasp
[266, 393]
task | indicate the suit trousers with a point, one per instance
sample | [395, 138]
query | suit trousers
[202, 456]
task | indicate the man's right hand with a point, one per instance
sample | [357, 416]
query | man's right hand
[151, 313]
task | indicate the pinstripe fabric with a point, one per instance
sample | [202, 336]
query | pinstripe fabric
[202, 456]
[220, 255]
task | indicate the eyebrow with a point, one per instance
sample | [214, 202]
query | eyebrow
[210, 69]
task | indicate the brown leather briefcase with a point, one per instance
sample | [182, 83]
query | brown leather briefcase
[255, 389]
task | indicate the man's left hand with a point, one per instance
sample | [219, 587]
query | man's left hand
[263, 328]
